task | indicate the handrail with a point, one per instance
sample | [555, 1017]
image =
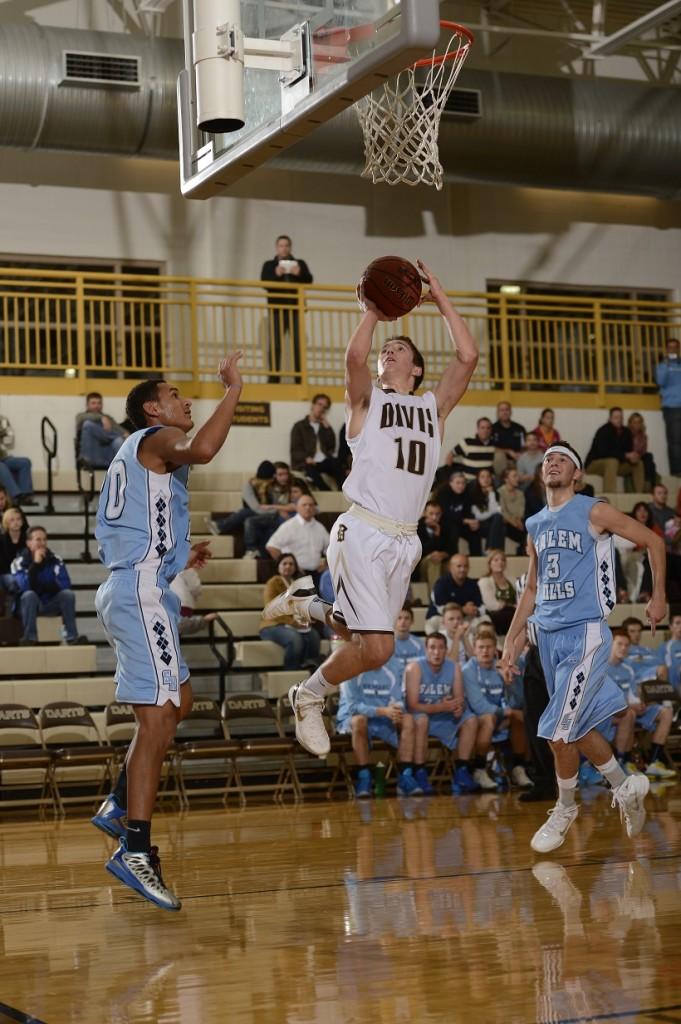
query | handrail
[225, 661]
[51, 451]
[87, 496]
[67, 331]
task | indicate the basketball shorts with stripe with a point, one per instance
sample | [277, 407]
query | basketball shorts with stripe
[140, 619]
[370, 573]
[581, 695]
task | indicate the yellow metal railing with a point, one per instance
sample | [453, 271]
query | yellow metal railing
[67, 332]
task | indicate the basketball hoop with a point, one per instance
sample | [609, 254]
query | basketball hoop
[401, 119]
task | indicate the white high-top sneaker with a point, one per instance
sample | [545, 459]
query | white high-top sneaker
[295, 601]
[553, 832]
[630, 797]
[310, 729]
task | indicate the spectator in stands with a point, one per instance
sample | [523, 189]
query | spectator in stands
[456, 507]
[545, 432]
[672, 653]
[498, 593]
[457, 633]
[535, 494]
[499, 711]
[372, 707]
[252, 500]
[668, 377]
[660, 511]
[15, 470]
[652, 718]
[285, 269]
[632, 568]
[279, 507]
[637, 426]
[313, 443]
[529, 460]
[508, 437]
[612, 454]
[647, 662]
[5, 502]
[438, 544]
[486, 511]
[473, 453]
[435, 697]
[301, 643]
[304, 536]
[44, 587]
[407, 646]
[456, 586]
[187, 586]
[512, 502]
[12, 543]
[98, 436]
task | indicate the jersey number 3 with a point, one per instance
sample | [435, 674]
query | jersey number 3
[416, 457]
[117, 483]
[553, 566]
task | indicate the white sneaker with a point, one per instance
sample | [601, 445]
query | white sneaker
[310, 729]
[295, 601]
[631, 796]
[519, 777]
[483, 779]
[658, 770]
[552, 833]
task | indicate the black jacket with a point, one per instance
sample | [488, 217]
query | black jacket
[284, 296]
[609, 443]
[304, 442]
[430, 542]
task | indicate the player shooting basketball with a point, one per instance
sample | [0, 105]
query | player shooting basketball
[395, 438]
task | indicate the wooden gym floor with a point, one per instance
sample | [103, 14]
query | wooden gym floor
[392, 912]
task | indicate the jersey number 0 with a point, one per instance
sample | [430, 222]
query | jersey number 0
[416, 457]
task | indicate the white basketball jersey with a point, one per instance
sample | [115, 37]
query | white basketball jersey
[395, 455]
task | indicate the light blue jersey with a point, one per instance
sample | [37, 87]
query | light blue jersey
[628, 679]
[143, 517]
[409, 649]
[435, 686]
[370, 690]
[575, 567]
[645, 660]
[671, 652]
[486, 692]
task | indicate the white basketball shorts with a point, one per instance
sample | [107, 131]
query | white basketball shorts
[370, 573]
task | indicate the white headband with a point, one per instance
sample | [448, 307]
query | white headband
[560, 449]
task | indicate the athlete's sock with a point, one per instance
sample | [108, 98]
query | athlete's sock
[318, 610]
[139, 836]
[622, 756]
[317, 684]
[612, 772]
[518, 760]
[460, 763]
[418, 767]
[403, 765]
[479, 762]
[120, 790]
[655, 752]
[566, 790]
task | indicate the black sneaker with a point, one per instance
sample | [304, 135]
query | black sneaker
[80, 639]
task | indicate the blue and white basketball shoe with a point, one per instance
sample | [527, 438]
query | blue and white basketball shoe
[109, 818]
[141, 872]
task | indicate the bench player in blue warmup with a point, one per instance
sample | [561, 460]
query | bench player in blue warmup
[143, 536]
[569, 594]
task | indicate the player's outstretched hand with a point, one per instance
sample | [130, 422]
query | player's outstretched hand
[228, 370]
[367, 306]
[656, 609]
[436, 292]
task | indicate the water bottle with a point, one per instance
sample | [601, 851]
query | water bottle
[379, 779]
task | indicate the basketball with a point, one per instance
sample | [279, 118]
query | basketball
[393, 285]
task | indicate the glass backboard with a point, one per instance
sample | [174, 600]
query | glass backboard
[333, 52]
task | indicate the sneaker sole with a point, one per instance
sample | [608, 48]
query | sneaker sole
[315, 753]
[133, 885]
[111, 828]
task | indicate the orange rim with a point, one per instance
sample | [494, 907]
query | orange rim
[443, 58]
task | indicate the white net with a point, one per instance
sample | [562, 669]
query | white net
[401, 120]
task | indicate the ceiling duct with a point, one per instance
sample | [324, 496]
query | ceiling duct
[549, 132]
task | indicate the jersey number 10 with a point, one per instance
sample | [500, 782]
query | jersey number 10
[416, 457]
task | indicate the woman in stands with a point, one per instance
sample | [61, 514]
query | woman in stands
[498, 593]
[545, 431]
[300, 642]
[12, 543]
[637, 426]
[486, 511]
